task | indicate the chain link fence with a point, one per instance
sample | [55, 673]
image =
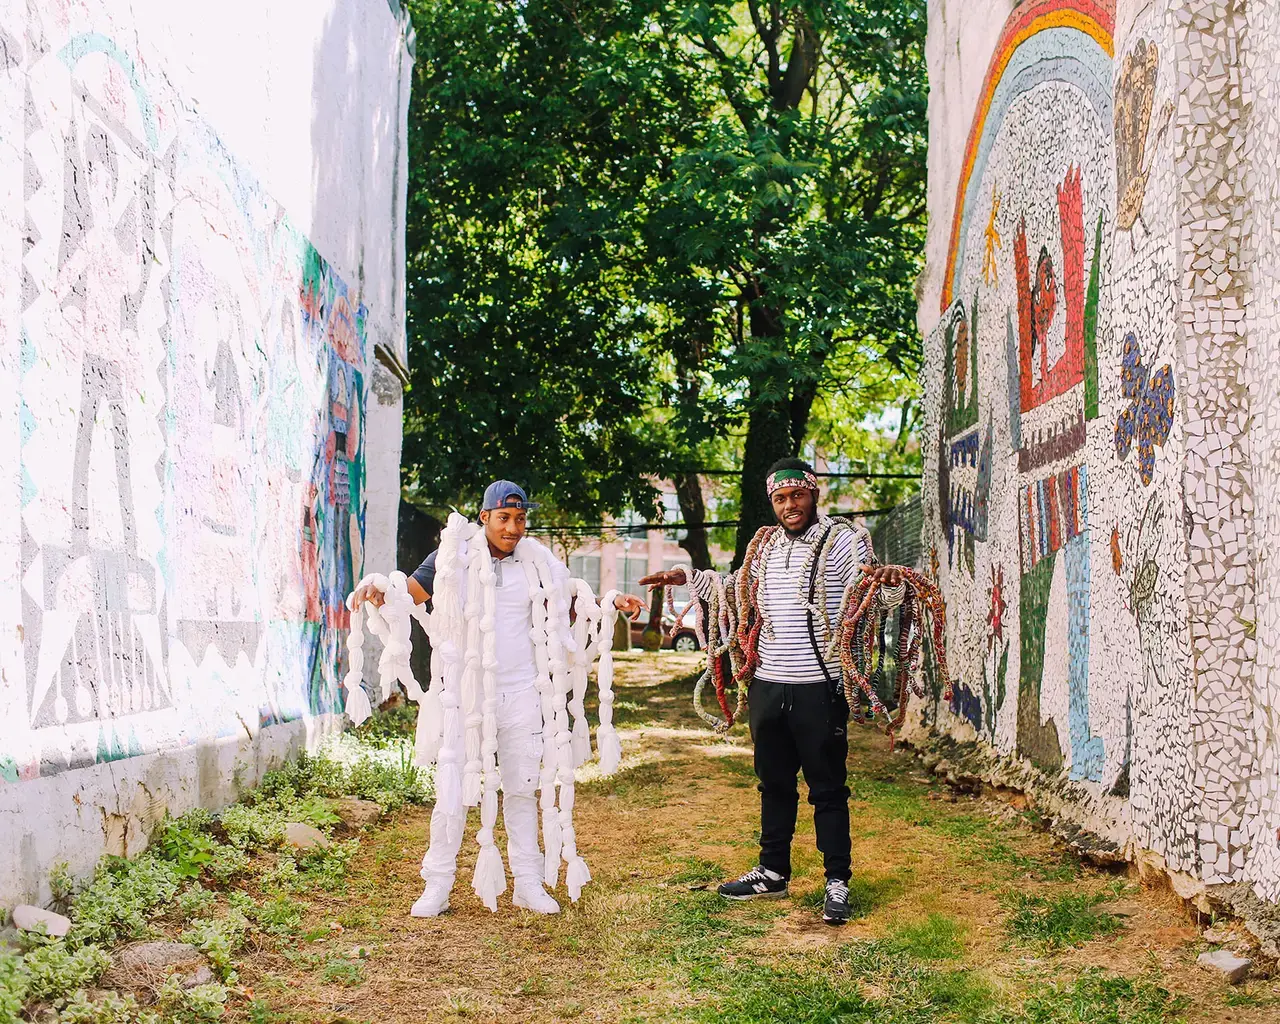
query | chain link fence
[896, 535]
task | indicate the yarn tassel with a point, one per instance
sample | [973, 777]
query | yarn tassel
[576, 873]
[610, 747]
[358, 708]
[426, 743]
[576, 876]
[551, 837]
[490, 878]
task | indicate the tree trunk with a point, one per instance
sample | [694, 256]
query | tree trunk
[802, 396]
[768, 440]
[693, 511]
[651, 638]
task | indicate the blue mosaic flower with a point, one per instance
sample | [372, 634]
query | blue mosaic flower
[1148, 417]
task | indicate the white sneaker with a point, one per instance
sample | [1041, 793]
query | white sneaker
[433, 902]
[532, 896]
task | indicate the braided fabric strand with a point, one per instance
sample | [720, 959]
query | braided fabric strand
[864, 610]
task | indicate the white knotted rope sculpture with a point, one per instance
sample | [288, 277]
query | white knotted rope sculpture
[390, 624]
[607, 741]
[457, 715]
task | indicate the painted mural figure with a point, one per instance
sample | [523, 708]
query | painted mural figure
[95, 626]
[1135, 94]
[500, 583]
[1044, 376]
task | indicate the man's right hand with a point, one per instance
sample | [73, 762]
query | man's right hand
[369, 593]
[670, 578]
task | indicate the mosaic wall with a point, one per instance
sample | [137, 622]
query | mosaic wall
[182, 394]
[1262, 811]
[1090, 496]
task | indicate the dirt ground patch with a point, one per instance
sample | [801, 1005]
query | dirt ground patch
[938, 881]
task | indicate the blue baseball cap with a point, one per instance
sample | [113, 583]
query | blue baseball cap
[505, 494]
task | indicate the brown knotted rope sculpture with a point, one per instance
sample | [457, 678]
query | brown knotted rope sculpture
[862, 619]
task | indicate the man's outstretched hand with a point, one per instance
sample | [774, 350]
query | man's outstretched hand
[630, 605]
[887, 575]
[368, 593]
[669, 578]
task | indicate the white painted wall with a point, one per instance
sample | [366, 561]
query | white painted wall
[202, 244]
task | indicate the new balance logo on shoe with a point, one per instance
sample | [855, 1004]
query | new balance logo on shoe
[755, 884]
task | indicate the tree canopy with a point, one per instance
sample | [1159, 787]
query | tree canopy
[644, 234]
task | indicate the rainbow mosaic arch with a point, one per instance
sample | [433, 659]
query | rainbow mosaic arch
[1043, 41]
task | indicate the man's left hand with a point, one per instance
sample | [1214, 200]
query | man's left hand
[630, 604]
[887, 575]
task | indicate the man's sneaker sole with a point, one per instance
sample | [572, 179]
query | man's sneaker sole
[834, 921]
[756, 896]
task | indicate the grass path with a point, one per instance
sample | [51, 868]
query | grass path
[964, 912]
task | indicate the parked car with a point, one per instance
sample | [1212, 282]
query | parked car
[684, 638]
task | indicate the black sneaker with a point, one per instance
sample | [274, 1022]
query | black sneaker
[835, 903]
[754, 885]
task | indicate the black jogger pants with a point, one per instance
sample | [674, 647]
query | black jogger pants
[797, 727]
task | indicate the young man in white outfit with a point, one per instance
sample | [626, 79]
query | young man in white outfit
[519, 710]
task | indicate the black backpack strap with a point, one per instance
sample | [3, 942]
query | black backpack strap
[832, 684]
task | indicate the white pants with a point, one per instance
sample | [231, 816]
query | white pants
[519, 717]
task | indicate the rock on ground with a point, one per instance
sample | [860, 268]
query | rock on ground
[304, 837]
[356, 812]
[1234, 968]
[1220, 936]
[146, 965]
[29, 918]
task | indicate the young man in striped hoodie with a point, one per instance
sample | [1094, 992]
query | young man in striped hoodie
[798, 714]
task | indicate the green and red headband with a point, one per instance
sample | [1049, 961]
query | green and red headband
[791, 478]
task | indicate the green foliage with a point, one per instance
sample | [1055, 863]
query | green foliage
[196, 901]
[389, 728]
[697, 871]
[631, 235]
[387, 776]
[279, 916]
[193, 1005]
[121, 899]
[61, 883]
[348, 973]
[313, 869]
[260, 1012]
[109, 1009]
[56, 969]
[184, 843]
[218, 939]
[1099, 998]
[15, 982]
[937, 937]
[251, 827]
[391, 785]
[303, 776]
[242, 902]
[226, 862]
[1068, 919]
[315, 810]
